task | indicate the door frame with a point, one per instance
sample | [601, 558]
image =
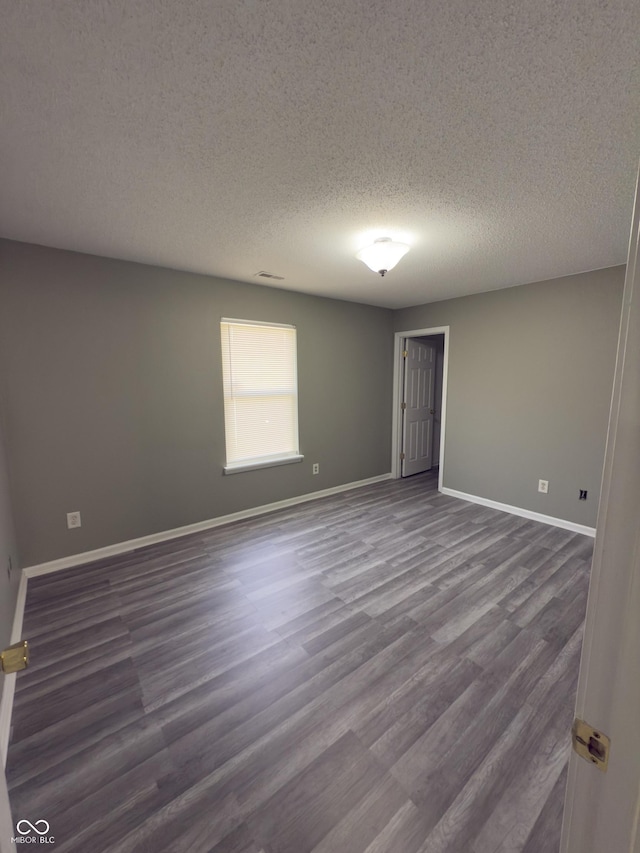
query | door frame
[8, 684]
[603, 811]
[396, 422]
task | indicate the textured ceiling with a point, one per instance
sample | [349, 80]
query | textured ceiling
[499, 138]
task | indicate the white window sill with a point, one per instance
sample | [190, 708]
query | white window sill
[238, 467]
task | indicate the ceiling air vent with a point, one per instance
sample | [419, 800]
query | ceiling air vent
[264, 274]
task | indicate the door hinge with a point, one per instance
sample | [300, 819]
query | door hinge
[15, 658]
[590, 744]
[402, 457]
[403, 406]
[404, 353]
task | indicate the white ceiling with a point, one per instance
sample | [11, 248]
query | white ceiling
[500, 138]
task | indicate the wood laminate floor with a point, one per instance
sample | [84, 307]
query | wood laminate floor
[388, 670]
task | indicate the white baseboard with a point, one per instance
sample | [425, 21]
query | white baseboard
[525, 513]
[177, 532]
[6, 704]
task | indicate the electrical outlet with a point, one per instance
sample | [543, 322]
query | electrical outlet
[316, 468]
[583, 495]
[73, 520]
[543, 486]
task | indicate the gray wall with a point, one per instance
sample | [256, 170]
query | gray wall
[113, 382]
[112, 387]
[529, 388]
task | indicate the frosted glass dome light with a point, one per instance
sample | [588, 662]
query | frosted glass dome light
[383, 254]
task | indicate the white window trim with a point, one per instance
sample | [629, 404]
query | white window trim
[257, 323]
[254, 465]
[267, 461]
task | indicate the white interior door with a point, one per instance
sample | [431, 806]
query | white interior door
[602, 810]
[418, 401]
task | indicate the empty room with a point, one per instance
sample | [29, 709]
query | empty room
[319, 460]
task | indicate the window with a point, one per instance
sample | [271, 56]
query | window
[260, 394]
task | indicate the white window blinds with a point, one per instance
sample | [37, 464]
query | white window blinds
[260, 391]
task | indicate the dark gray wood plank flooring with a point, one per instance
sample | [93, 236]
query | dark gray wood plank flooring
[388, 670]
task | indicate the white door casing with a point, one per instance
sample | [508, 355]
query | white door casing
[602, 811]
[418, 411]
[398, 396]
[8, 683]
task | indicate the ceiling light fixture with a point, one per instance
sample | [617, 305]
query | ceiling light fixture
[383, 254]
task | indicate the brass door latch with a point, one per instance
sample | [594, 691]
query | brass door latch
[15, 658]
[590, 744]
